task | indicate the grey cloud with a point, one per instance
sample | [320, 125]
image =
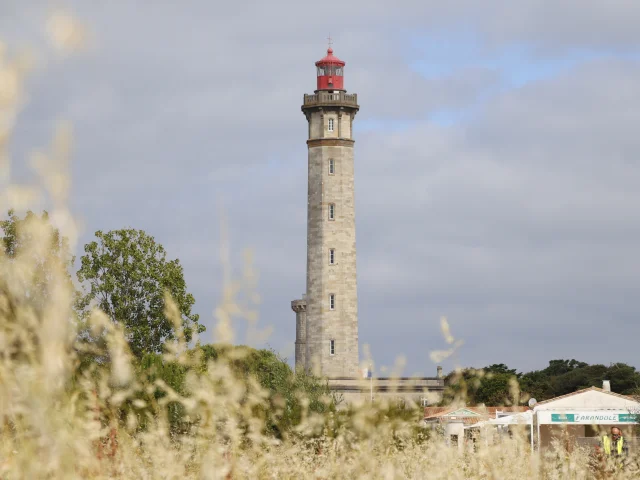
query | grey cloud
[519, 224]
[524, 217]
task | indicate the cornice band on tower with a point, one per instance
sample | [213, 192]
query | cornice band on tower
[330, 142]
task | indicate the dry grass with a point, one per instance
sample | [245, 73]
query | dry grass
[59, 422]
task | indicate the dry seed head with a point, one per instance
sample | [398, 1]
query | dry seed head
[438, 356]
[53, 167]
[514, 390]
[446, 332]
[19, 197]
[119, 354]
[10, 85]
[65, 32]
[67, 436]
[223, 333]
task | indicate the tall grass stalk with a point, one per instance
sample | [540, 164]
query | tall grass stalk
[65, 419]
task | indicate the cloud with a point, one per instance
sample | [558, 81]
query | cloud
[515, 218]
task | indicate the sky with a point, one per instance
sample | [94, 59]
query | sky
[497, 165]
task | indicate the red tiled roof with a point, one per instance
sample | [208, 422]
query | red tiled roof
[511, 408]
[438, 414]
[432, 411]
[441, 411]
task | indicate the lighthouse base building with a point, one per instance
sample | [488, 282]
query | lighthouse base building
[326, 341]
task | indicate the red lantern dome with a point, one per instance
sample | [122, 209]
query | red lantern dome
[330, 72]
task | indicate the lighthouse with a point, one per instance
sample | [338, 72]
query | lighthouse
[326, 341]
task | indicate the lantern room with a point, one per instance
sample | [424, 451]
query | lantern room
[330, 72]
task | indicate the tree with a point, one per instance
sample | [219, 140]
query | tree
[34, 259]
[126, 273]
[285, 406]
[560, 367]
[287, 393]
[537, 385]
[490, 386]
[47, 250]
[624, 378]
[495, 389]
[567, 376]
[500, 368]
[559, 378]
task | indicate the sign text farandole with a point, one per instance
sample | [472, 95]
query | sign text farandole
[593, 417]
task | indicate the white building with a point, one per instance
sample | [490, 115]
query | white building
[582, 417]
[578, 418]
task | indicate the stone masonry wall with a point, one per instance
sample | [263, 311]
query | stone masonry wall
[319, 124]
[323, 234]
[300, 307]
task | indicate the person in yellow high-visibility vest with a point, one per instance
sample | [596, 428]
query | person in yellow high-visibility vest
[614, 445]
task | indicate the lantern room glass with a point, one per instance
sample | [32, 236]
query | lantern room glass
[330, 70]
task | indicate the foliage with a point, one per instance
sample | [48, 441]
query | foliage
[35, 260]
[283, 409]
[214, 411]
[566, 376]
[489, 386]
[113, 420]
[494, 390]
[500, 368]
[127, 274]
[399, 421]
[560, 367]
[493, 385]
[48, 250]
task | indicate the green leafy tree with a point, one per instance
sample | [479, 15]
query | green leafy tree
[42, 259]
[490, 386]
[284, 406]
[494, 390]
[559, 378]
[578, 378]
[23, 236]
[126, 273]
[500, 368]
[560, 367]
[624, 378]
[567, 376]
[536, 385]
[461, 386]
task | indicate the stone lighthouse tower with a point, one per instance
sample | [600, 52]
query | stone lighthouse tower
[327, 316]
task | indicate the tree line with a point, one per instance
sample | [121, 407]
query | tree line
[497, 384]
[127, 274]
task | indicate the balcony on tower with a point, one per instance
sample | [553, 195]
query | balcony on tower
[329, 99]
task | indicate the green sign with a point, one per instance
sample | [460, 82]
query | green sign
[599, 417]
[627, 417]
[562, 417]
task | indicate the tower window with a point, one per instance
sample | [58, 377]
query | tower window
[332, 211]
[330, 125]
[332, 347]
[332, 256]
[332, 302]
[332, 166]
